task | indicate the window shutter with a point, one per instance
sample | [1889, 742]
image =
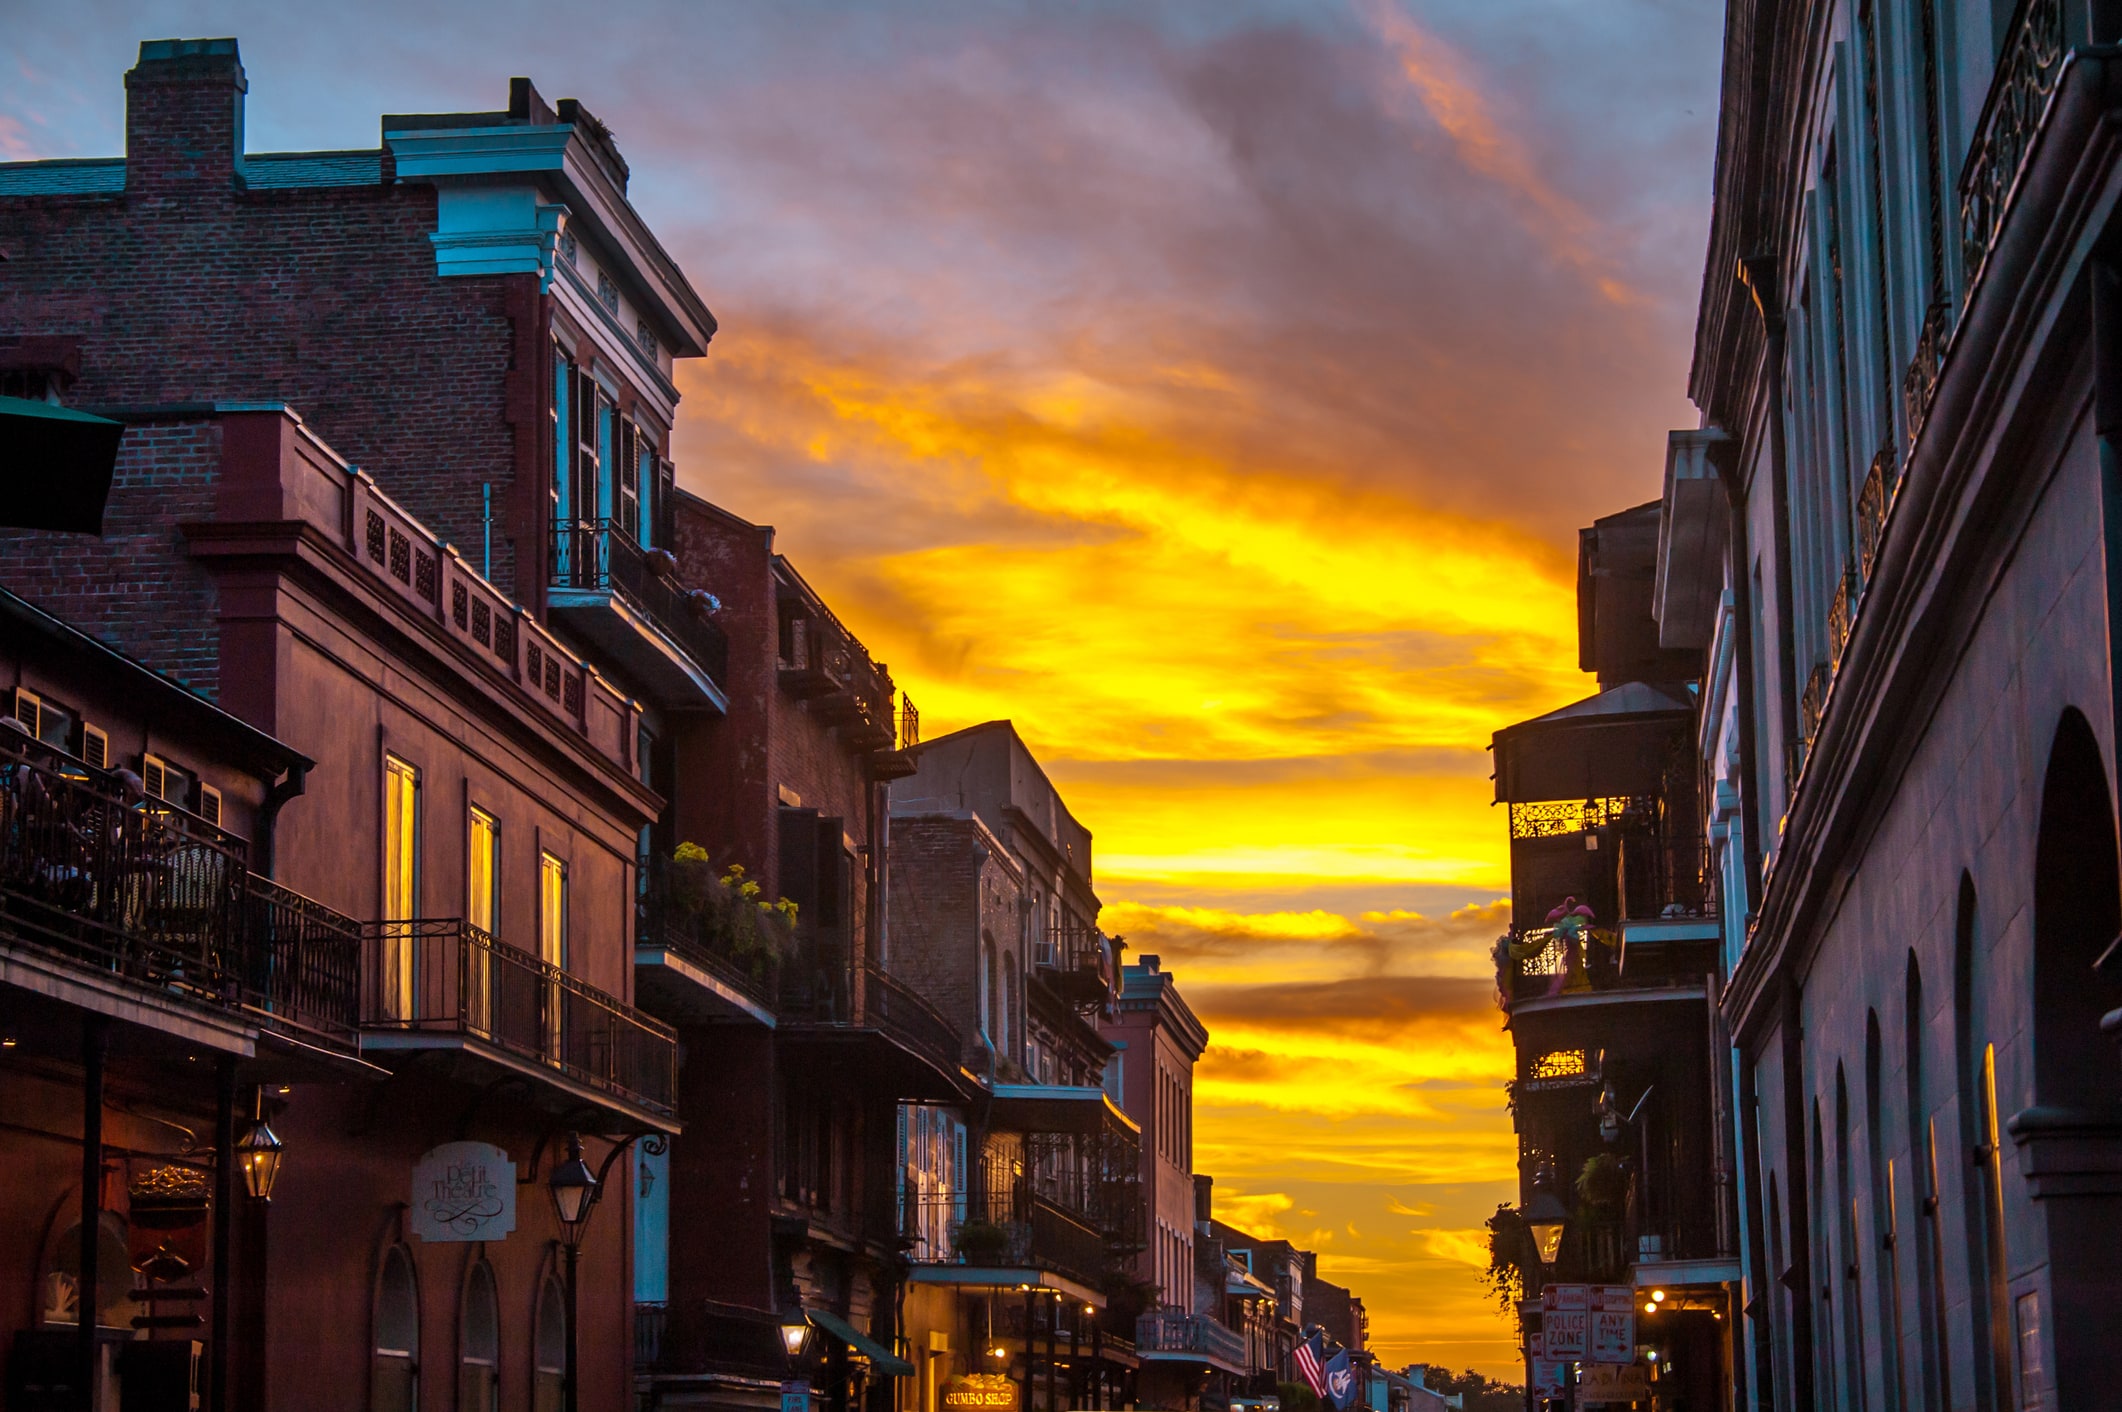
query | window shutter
[154, 777]
[28, 710]
[210, 804]
[95, 746]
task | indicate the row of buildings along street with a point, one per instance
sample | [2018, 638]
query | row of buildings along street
[477, 931]
[1814, 979]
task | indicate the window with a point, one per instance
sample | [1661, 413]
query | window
[478, 1343]
[394, 1375]
[552, 942]
[987, 982]
[652, 1224]
[1007, 1019]
[628, 512]
[401, 866]
[549, 1350]
[482, 910]
[563, 441]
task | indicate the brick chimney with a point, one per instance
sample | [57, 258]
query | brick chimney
[184, 116]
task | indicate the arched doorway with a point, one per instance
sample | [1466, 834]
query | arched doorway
[2077, 914]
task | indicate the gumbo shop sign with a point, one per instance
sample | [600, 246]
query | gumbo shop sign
[980, 1392]
[464, 1191]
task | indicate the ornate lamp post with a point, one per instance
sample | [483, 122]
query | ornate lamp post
[574, 1190]
[1545, 1216]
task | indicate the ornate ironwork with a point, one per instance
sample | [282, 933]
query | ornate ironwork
[1872, 503]
[1842, 616]
[1920, 382]
[1554, 818]
[1558, 1064]
[1812, 705]
[2011, 118]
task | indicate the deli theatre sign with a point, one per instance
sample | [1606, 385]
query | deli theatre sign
[464, 1191]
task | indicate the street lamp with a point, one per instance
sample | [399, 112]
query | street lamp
[795, 1332]
[574, 1191]
[258, 1154]
[1545, 1216]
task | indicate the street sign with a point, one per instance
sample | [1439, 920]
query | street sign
[795, 1397]
[1613, 1324]
[1549, 1377]
[1614, 1382]
[1565, 1321]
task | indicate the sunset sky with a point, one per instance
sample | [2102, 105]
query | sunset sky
[1212, 389]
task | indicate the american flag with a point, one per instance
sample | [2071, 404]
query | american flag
[1308, 1360]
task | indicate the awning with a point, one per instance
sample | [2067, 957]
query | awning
[55, 466]
[1059, 1108]
[883, 1360]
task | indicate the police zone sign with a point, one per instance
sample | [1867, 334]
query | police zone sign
[1589, 1323]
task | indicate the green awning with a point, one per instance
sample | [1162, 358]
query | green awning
[55, 466]
[882, 1359]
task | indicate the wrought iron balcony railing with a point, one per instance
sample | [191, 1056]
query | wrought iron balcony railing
[449, 978]
[598, 555]
[1013, 1229]
[121, 885]
[1174, 1331]
[685, 908]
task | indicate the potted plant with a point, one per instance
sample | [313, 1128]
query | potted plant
[982, 1242]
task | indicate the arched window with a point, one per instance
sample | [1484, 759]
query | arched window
[1012, 1013]
[549, 1349]
[1854, 1367]
[394, 1374]
[987, 987]
[1006, 1019]
[1886, 1290]
[1923, 1172]
[60, 1291]
[1988, 1298]
[478, 1343]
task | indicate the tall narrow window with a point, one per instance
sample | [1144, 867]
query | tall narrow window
[482, 910]
[607, 458]
[552, 944]
[645, 476]
[987, 988]
[478, 1343]
[1923, 1171]
[1983, 1209]
[587, 441]
[561, 492]
[401, 887]
[630, 479]
[1006, 1040]
[549, 1350]
[1887, 1289]
[394, 1373]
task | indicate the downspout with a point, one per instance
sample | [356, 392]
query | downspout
[289, 786]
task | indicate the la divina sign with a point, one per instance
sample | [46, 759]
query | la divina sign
[980, 1392]
[464, 1191]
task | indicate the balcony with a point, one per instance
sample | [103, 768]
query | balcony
[447, 993]
[1171, 1336]
[1076, 961]
[702, 1342]
[1543, 969]
[137, 902]
[822, 665]
[702, 953]
[828, 1007]
[605, 588]
[1005, 1239]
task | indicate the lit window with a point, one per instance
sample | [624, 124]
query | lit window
[401, 867]
[549, 1350]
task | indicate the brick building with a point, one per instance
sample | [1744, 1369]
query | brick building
[802, 1038]
[1021, 1203]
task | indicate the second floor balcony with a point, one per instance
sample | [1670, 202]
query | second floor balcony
[628, 604]
[1175, 1336]
[136, 901]
[1005, 1239]
[1077, 960]
[445, 991]
[824, 1001]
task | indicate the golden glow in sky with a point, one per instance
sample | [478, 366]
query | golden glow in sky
[1214, 390]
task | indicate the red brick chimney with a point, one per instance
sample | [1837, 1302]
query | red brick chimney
[184, 116]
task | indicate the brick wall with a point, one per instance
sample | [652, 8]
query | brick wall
[136, 588]
[950, 885]
[189, 288]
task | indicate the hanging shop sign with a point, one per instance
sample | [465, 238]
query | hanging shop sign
[795, 1397]
[464, 1191]
[980, 1392]
[1614, 1382]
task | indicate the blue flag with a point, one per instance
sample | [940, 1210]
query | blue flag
[1341, 1389]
